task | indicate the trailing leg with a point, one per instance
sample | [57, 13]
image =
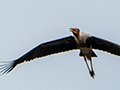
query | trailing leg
[92, 71]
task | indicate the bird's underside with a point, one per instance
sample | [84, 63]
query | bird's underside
[79, 41]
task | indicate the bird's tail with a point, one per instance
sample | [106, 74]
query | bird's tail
[7, 66]
[92, 54]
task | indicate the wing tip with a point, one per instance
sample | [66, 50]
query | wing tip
[6, 67]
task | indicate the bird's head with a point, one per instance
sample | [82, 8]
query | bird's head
[75, 31]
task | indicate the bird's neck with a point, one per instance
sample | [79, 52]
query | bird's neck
[81, 37]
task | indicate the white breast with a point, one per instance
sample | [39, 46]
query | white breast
[83, 36]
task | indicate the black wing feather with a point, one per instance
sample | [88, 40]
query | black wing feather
[104, 45]
[48, 48]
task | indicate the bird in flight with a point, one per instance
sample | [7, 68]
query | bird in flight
[79, 41]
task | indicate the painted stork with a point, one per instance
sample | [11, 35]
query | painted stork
[79, 41]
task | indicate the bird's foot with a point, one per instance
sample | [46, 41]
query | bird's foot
[92, 74]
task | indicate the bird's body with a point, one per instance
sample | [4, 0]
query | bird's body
[79, 41]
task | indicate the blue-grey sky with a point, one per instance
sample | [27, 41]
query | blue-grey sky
[25, 24]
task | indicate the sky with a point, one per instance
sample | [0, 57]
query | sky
[25, 24]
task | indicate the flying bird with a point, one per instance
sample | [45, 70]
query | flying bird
[78, 41]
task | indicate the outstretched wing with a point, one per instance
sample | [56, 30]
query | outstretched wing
[44, 49]
[104, 45]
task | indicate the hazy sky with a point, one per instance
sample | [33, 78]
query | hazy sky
[25, 24]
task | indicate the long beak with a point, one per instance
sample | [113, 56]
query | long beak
[71, 30]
